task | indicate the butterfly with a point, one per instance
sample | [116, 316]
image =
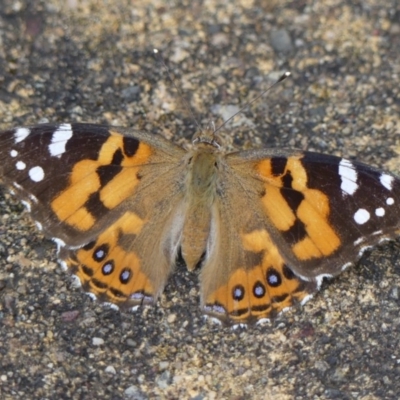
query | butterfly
[263, 227]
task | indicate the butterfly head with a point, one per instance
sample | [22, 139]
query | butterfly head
[208, 137]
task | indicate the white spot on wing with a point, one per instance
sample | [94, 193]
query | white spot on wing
[387, 181]
[21, 134]
[36, 174]
[39, 225]
[348, 175]
[64, 267]
[345, 266]
[91, 295]
[320, 278]
[33, 198]
[390, 201]
[380, 212]
[361, 216]
[20, 165]
[263, 321]
[305, 299]
[362, 250]
[358, 241]
[59, 140]
[111, 305]
[17, 186]
[27, 205]
[60, 243]
[13, 153]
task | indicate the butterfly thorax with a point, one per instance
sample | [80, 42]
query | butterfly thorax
[201, 187]
[202, 174]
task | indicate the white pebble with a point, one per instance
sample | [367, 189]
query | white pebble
[111, 370]
[97, 341]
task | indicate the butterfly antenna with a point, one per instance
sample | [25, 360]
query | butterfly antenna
[282, 78]
[186, 104]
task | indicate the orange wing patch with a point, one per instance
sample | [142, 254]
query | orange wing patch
[260, 292]
[107, 268]
[296, 210]
[322, 239]
[111, 178]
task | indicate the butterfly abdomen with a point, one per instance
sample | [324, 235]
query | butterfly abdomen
[201, 187]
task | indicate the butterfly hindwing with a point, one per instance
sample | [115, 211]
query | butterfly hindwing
[245, 277]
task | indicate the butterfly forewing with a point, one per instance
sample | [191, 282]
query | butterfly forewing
[326, 209]
[75, 178]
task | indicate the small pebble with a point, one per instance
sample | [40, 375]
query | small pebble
[97, 341]
[111, 370]
[163, 365]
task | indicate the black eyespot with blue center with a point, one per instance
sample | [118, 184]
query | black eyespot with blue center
[259, 290]
[108, 267]
[273, 277]
[100, 252]
[125, 276]
[238, 292]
